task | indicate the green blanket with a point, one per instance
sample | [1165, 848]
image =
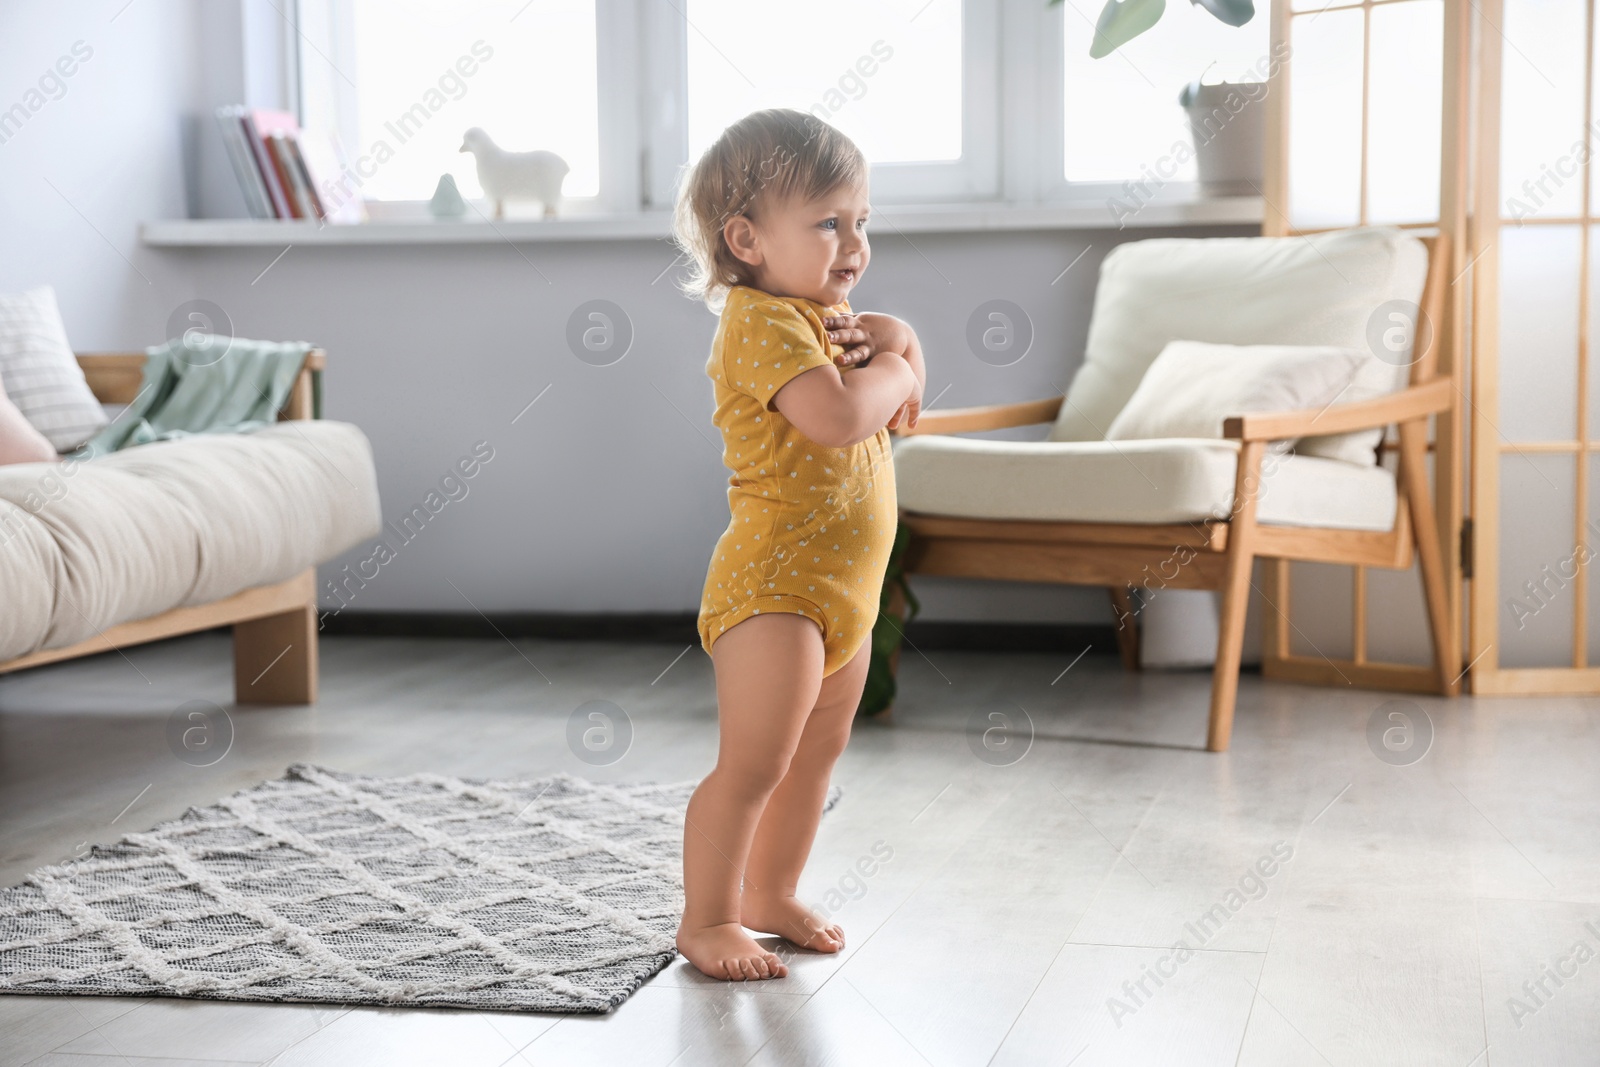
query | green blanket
[205, 383]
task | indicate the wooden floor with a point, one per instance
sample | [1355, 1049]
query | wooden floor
[1026, 913]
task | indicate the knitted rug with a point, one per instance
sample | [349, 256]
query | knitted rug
[557, 894]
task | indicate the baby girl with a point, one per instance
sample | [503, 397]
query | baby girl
[774, 217]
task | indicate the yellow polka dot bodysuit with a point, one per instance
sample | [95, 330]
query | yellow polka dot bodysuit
[810, 528]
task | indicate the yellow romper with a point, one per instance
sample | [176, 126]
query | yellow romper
[810, 528]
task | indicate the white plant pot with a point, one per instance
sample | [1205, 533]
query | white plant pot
[1229, 124]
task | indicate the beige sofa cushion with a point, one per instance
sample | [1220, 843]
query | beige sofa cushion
[1140, 481]
[86, 545]
[1334, 288]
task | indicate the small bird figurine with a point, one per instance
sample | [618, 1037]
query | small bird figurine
[515, 175]
[447, 202]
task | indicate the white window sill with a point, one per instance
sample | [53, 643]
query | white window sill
[654, 225]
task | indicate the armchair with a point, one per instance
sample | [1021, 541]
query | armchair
[1078, 509]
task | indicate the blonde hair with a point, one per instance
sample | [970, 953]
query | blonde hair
[764, 158]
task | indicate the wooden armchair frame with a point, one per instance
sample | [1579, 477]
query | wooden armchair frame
[274, 626]
[1219, 554]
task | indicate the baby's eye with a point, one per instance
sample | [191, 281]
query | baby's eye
[829, 224]
[861, 224]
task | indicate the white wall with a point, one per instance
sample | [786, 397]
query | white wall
[81, 171]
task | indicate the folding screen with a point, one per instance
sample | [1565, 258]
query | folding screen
[1367, 125]
[1535, 617]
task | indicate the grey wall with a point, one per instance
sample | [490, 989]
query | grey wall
[608, 493]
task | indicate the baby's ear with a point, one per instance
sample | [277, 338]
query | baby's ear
[740, 237]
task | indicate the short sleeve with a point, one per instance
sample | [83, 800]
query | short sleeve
[767, 343]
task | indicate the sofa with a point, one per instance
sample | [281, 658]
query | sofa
[184, 535]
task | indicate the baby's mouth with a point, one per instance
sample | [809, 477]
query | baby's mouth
[846, 275]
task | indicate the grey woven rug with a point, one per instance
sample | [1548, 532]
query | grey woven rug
[558, 894]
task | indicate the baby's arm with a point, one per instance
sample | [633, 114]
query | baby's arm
[868, 334]
[885, 333]
[865, 334]
[838, 410]
[913, 357]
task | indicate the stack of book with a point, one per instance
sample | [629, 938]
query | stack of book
[264, 148]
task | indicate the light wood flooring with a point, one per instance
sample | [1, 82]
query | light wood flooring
[1026, 914]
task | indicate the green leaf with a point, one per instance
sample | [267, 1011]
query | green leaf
[879, 691]
[1121, 21]
[1232, 12]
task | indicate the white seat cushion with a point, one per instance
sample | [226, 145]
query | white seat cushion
[1179, 479]
[1338, 288]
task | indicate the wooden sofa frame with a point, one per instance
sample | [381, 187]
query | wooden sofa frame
[1218, 554]
[274, 626]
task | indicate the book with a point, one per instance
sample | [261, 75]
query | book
[276, 172]
[243, 163]
[332, 174]
[262, 123]
[278, 148]
[269, 172]
[303, 172]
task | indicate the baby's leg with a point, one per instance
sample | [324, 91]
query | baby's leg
[769, 671]
[789, 824]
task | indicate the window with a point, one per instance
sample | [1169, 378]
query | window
[915, 83]
[952, 100]
[398, 82]
[889, 81]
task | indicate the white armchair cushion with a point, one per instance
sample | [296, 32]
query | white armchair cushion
[1193, 386]
[1335, 288]
[1170, 480]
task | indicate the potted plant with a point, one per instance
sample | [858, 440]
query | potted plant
[895, 600]
[1229, 136]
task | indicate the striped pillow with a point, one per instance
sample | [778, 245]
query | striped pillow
[39, 372]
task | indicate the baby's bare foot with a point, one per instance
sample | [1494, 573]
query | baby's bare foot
[725, 951]
[790, 919]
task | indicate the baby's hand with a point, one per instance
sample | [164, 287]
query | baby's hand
[911, 409]
[865, 335]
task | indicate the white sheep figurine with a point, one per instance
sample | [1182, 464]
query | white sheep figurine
[515, 175]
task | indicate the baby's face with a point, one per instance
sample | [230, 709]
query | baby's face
[813, 248]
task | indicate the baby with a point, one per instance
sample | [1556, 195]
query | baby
[773, 217]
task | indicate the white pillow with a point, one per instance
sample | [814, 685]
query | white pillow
[1374, 377]
[40, 374]
[1192, 386]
